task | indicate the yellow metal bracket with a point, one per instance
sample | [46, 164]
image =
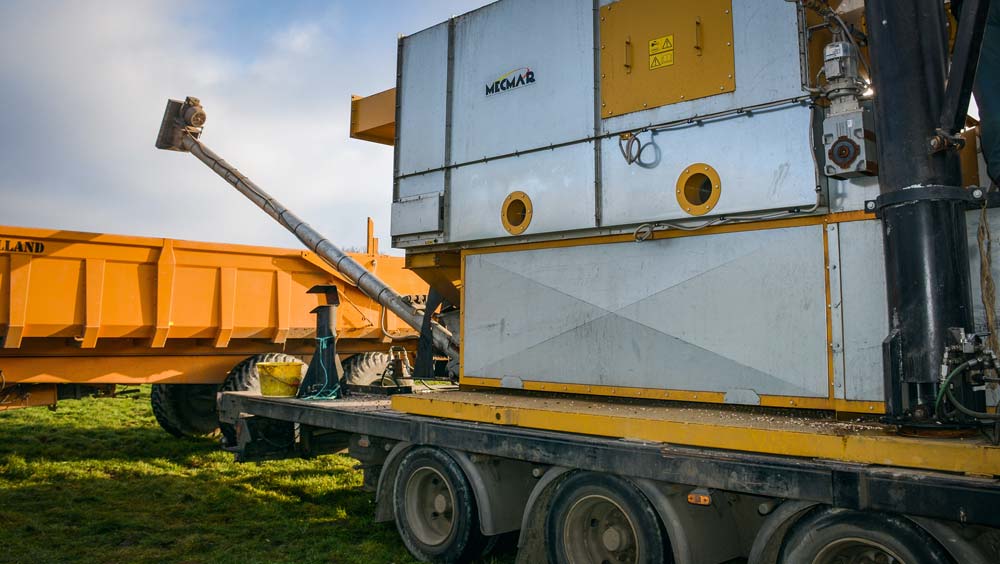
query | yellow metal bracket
[373, 118]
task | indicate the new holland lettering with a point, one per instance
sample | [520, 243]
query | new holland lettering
[15, 246]
[511, 80]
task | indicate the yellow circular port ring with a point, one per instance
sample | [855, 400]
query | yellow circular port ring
[698, 189]
[516, 213]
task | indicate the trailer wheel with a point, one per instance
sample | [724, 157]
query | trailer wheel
[436, 512]
[245, 378]
[186, 410]
[365, 369]
[603, 519]
[840, 536]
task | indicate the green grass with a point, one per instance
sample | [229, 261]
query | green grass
[97, 481]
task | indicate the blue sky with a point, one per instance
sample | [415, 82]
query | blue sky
[84, 85]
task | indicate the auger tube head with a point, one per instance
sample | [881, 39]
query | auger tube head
[180, 119]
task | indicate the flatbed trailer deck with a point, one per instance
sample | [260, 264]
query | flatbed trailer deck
[952, 507]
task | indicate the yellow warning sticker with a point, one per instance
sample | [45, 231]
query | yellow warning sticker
[661, 44]
[661, 60]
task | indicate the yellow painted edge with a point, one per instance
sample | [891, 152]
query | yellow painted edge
[461, 321]
[803, 221]
[830, 367]
[928, 454]
[683, 395]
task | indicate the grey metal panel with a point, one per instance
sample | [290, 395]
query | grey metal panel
[764, 162]
[866, 322]
[421, 184]
[766, 42]
[851, 194]
[418, 215]
[422, 100]
[739, 313]
[559, 183]
[555, 40]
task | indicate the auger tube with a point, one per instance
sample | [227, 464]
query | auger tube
[185, 139]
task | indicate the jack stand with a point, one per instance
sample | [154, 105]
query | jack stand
[325, 377]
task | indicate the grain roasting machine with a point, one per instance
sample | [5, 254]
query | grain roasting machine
[725, 201]
[682, 200]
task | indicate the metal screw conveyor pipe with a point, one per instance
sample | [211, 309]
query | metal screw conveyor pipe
[180, 131]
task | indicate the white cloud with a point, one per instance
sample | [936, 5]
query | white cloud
[85, 84]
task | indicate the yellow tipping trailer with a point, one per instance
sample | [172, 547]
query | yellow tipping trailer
[102, 310]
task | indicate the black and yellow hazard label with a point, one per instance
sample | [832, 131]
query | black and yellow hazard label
[661, 44]
[661, 60]
[661, 52]
[16, 246]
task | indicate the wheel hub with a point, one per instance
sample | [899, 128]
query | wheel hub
[429, 504]
[597, 530]
[856, 551]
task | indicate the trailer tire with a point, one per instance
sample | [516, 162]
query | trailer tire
[365, 369]
[163, 411]
[830, 535]
[244, 378]
[603, 518]
[435, 509]
[186, 410]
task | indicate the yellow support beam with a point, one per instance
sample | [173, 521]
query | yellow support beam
[766, 432]
[373, 118]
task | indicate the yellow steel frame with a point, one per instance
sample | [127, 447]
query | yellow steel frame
[721, 429]
[830, 402]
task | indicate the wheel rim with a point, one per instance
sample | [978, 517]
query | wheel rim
[856, 551]
[597, 530]
[430, 506]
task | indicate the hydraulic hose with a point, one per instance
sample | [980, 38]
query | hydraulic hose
[974, 414]
[945, 392]
[365, 280]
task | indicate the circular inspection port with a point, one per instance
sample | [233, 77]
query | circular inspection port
[516, 213]
[698, 189]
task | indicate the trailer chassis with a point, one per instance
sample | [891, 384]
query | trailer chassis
[959, 511]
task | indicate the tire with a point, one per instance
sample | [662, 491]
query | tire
[829, 535]
[245, 378]
[436, 512]
[596, 518]
[186, 410]
[365, 369]
[163, 410]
